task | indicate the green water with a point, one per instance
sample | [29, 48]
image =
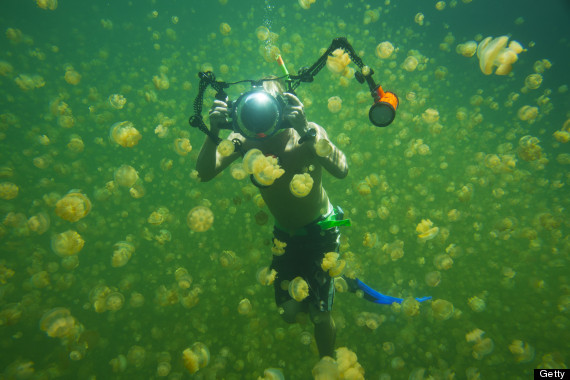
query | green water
[503, 224]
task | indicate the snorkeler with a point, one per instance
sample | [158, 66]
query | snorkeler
[296, 218]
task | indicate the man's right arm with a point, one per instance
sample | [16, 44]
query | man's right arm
[210, 162]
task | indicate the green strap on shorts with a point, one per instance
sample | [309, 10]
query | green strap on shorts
[334, 219]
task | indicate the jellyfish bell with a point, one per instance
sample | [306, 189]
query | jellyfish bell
[67, 243]
[200, 219]
[126, 175]
[301, 185]
[442, 309]
[73, 206]
[298, 289]
[58, 323]
[196, 357]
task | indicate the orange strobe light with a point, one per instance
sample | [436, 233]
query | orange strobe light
[383, 111]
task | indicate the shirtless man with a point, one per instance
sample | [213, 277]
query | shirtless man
[295, 218]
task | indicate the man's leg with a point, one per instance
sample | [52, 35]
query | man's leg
[325, 332]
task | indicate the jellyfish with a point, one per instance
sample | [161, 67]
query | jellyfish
[425, 230]
[196, 357]
[122, 253]
[348, 365]
[301, 185]
[225, 148]
[272, 373]
[200, 219]
[225, 29]
[326, 369]
[278, 247]
[494, 52]
[117, 101]
[73, 206]
[298, 289]
[410, 307]
[125, 134]
[334, 104]
[8, 190]
[39, 223]
[244, 306]
[410, 63]
[332, 265]
[476, 304]
[183, 278]
[442, 309]
[71, 76]
[159, 216]
[59, 323]
[262, 33]
[228, 258]
[483, 348]
[533, 81]
[237, 171]
[266, 276]
[430, 116]
[265, 169]
[467, 49]
[522, 351]
[323, 148]
[114, 301]
[182, 146]
[338, 61]
[67, 243]
[384, 49]
[528, 149]
[528, 113]
[306, 4]
[47, 4]
[419, 19]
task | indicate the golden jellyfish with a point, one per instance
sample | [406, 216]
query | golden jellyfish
[126, 175]
[196, 357]
[5, 68]
[443, 261]
[266, 276]
[440, 5]
[73, 207]
[410, 63]
[338, 61]
[410, 307]
[533, 81]
[262, 33]
[332, 265]
[228, 258]
[430, 116]
[117, 101]
[522, 351]
[265, 169]
[494, 52]
[122, 253]
[67, 243]
[8, 190]
[225, 148]
[426, 231]
[323, 148]
[182, 146]
[200, 219]
[467, 49]
[306, 4]
[183, 278]
[348, 365]
[528, 113]
[334, 104]
[59, 323]
[483, 348]
[162, 82]
[476, 303]
[75, 144]
[384, 49]
[237, 172]
[114, 301]
[278, 247]
[326, 369]
[71, 76]
[419, 19]
[47, 4]
[474, 336]
[39, 223]
[225, 29]
[272, 374]
[298, 289]
[159, 216]
[244, 307]
[301, 185]
[125, 134]
[528, 149]
[442, 309]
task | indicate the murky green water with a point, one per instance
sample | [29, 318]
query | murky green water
[500, 254]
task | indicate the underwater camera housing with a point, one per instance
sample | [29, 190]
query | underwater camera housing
[258, 114]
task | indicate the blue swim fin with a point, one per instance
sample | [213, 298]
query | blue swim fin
[373, 295]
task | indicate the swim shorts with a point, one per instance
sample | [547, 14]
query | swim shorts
[303, 255]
